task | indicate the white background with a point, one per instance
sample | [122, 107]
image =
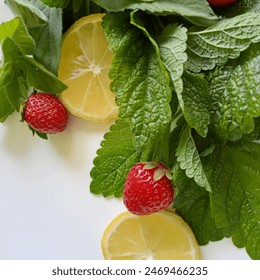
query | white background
[46, 209]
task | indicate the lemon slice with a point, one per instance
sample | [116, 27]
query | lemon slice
[84, 66]
[160, 236]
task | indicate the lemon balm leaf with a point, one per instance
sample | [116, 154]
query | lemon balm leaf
[172, 46]
[234, 92]
[193, 203]
[139, 80]
[234, 176]
[196, 11]
[223, 41]
[189, 159]
[195, 102]
[114, 159]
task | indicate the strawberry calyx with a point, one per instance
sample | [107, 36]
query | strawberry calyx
[161, 170]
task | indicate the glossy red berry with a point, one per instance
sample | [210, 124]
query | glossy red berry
[45, 113]
[221, 3]
[148, 188]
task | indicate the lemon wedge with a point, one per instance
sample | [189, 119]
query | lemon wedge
[160, 236]
[84, 66]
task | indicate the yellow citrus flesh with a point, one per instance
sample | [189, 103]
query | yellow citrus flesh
[84, 66]
[160, 236]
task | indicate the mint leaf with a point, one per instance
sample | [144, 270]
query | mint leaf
[19, 73]
[39, 77]
[139, 79]
[44, 24]
[114, 160]
[172, 47]
[195, 102]
[189, 159]
[27, 9]
[234, 91]
[193, 204]
[196, 11]
[48, 37]
[234, 177]
[7, 74]
[5, 106]
[16, 91]
[16, 30]
[222, 41]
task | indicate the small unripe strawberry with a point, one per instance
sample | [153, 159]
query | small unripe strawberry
[148, 188]
[45, 113]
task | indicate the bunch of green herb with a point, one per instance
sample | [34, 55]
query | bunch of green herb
[187, 83]
[31, 44]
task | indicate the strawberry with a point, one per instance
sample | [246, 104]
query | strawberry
[221, 3]
[148, 188]
[45, 113]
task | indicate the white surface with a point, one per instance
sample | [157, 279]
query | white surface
[46, 209]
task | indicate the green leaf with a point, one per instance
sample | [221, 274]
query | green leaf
[16, 91]
[11, 80]
[234, 91]
[195, 102]
[189, 159]
[139, 79]
[56, 3]
[39, 77]
[16, 30]
[222, 41]
[172, 46]
[27, 9]
[6, 108]
[241, 7]
[234, 176]
[252, 136]
[196, 11]
[7, 74]
[48, 37]
[19, 68]
[193, 204]
[46, 34]
[114, 160]
[158, 150]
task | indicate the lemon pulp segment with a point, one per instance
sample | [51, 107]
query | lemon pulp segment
[160, 236]
[84, 66]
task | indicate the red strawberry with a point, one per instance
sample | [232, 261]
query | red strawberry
[221, 3]
[148, 188]
[45, 113]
